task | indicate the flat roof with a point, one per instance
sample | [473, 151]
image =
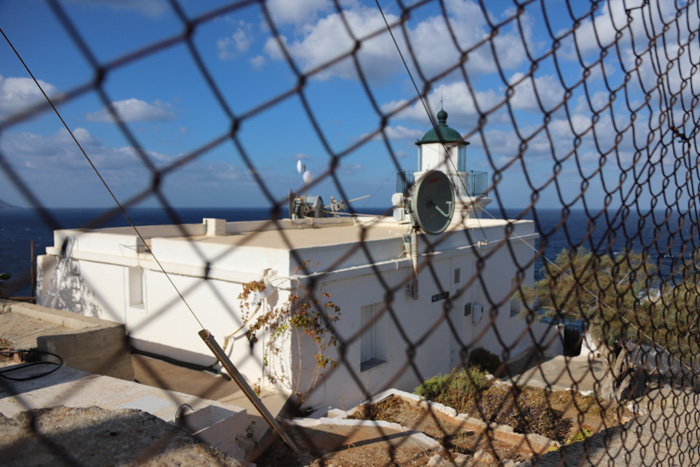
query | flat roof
[288, 234]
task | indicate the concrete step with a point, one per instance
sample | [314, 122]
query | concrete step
[213, 425]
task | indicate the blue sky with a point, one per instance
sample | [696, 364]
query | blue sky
[171, 111]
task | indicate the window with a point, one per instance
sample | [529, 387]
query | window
[373, 340]
[462, 159]
[457, 275]
[135, 288]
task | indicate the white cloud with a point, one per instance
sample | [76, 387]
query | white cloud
[59, 152]
[151, 8]
[328, 38]
[456, 100]
[396, 133]
[347, 169]
[257, 62]
[223, 171]
[239, 42]
[598, 101]
[548, 87]
[622, 17]
[401, 132]
[17, 94]
[599, 143]
[56, 157]
[134, 110]
[435, 49]
[272, 47]
[296, 11]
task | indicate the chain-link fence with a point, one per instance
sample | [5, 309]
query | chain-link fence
[551, 319]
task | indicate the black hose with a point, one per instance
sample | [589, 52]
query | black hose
[4, 372]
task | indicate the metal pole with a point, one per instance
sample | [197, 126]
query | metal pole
[414, 259]
[33, 272]
[247, 390]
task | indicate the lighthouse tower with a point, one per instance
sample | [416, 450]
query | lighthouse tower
[444, 149]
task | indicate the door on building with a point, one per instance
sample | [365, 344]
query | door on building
[457, 318]
[457, 313]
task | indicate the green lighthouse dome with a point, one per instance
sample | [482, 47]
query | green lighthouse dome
[446, 134]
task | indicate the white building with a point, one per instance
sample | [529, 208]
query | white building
[108, 273]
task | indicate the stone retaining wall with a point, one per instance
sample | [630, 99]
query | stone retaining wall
[532, 443]
[95, 345]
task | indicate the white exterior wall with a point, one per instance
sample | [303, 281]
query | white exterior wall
[424, 322]
[164, 324]
[96, 283]
[168, 325]
[88, 288]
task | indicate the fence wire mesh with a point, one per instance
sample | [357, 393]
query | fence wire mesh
[571, 341]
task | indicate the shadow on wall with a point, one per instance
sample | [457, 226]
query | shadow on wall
[60, 286]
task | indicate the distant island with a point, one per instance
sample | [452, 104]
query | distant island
[4, 205]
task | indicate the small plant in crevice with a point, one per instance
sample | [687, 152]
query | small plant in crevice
[580, 436]
[250, 431]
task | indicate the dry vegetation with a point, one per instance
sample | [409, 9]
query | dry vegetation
[563, 416]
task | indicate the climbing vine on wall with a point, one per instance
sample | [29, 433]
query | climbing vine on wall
[301, 313]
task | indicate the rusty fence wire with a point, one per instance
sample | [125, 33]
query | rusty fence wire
[575, 338]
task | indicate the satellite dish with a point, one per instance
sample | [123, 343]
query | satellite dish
[308, 178]
[433, 202]
[299, 166]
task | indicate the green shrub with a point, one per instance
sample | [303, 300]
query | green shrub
[484, 359]
[432, 388]
[527, 409]
[468, 380]
[455, 389]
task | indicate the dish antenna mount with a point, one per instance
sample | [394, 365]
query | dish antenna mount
[430, 207]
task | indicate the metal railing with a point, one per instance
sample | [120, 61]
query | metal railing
[478, 183]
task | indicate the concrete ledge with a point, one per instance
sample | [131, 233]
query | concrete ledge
[59, 317]
[96, 345]
[417, 437]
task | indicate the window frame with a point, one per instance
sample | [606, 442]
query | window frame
[372, 352]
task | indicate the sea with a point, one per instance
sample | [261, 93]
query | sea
[669, 238]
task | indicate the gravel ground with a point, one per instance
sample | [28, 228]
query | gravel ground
[95, 436]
